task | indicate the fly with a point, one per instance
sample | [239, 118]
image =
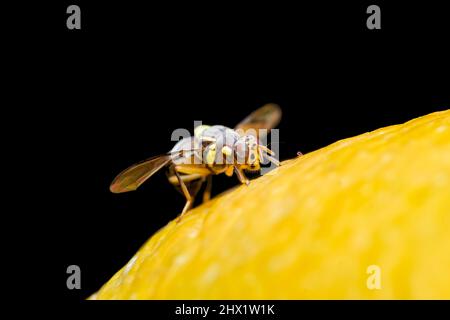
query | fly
[212, 150]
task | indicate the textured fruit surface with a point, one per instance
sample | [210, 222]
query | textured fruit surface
[311, 228]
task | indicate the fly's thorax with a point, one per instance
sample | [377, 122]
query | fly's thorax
[219, 152]
[218, 132]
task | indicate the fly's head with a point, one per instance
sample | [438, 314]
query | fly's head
[247, 153]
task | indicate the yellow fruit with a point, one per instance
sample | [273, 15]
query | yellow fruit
[311, 228]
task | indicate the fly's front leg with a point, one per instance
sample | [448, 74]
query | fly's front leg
[273, 160]
[241, 176]
[207, 192]
[189, 198]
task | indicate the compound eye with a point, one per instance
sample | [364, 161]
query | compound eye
[240, 149]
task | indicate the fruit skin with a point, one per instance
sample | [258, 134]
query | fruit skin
[311, 228]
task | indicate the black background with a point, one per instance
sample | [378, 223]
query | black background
[112, 93]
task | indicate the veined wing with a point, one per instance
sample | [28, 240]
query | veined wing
[132, 177]
[266, 117]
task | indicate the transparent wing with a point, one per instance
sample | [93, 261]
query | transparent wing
[266, 117]
[132, 177]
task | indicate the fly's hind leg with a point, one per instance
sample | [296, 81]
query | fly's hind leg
[188, 182]
[187, 195]
[207, 192]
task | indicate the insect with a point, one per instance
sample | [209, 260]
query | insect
[210, 151]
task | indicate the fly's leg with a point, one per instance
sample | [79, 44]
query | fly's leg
[189, 198]
[207, 192]
[266, 150]
[241, 176]
[273, 160]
